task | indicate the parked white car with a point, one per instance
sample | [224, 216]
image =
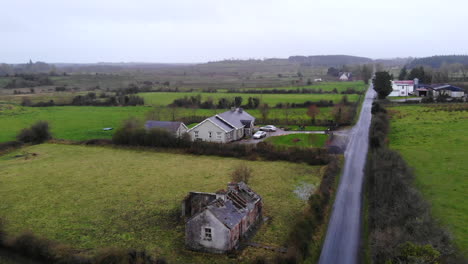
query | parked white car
[259, 134]
[269, 128]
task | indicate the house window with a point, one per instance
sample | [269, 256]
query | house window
[218, 135]
[207, 234]
[196, 134]
[210, 134]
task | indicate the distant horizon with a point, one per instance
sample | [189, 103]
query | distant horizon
[225, 59]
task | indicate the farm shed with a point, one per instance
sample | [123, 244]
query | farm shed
[177, 128]
[449, 90]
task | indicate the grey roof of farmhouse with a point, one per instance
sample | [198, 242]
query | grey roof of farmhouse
[167, 125]
[238, 117]
[220, 122]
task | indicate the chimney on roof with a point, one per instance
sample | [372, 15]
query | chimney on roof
[240, 109]
[233, 109]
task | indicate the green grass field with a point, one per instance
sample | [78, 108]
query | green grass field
[435, 144]
[324, 86]
[58, 97]
[92, 197]
[271, 99]
[86, 122]
[299, 140]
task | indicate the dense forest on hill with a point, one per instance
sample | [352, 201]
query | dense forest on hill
[438, 61]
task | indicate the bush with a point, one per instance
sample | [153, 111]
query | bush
[36, 134]
[33, 247]
[427, 100]
[10, 145]
[121, 256]
[412, 253]
[241, 173]
[2, 233]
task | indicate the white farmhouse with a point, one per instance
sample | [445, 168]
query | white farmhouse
[345, 76]
[225, 127]
[403, 88]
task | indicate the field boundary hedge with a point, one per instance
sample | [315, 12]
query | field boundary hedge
[401, 228]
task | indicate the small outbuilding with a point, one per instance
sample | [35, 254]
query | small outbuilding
[177, 128]
[217, 222]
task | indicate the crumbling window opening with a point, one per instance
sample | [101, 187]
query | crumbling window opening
[208, 236]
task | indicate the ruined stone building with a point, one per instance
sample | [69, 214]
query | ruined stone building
[217, 222]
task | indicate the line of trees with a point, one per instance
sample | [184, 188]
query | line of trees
[445, 73]
[252, 103]
[209, 103]
[90, 99]
[29, 80]
[348, 90]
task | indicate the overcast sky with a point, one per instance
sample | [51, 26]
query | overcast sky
[207, 30]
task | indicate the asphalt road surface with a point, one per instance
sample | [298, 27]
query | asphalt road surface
[343, 235]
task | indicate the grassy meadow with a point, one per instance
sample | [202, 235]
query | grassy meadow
[324, 86]
[91, 197]
[271, 99]
[299, 140]
[86, 122]
[434, 142]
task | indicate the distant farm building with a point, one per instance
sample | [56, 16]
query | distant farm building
[345, 76]
[449, 90]
[403, 88]
[439, 89]
[225, 127]
[217, 222]
[176, 128]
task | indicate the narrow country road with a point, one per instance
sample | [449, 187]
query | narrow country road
[341, 243]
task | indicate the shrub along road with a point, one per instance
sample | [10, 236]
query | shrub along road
[341, 244]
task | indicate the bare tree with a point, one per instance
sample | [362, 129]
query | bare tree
[287, 111]
[241, 173]
[155, 113]
[312, 112]
[264, 111]
[194, 109]
[173, 112]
